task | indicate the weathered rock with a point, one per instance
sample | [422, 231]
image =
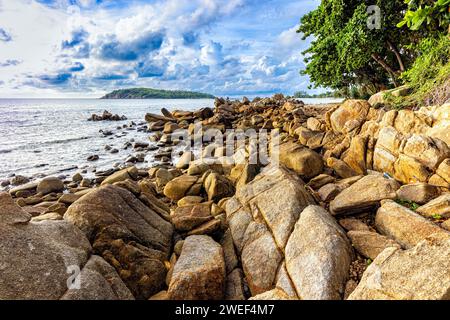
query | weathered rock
[199, 273]
[185, 159]
[403, 225]
[304, 161]
[69, 198]
[275, 294]
[38, 260]
[355, 156]
[410, 170]
[207, 228]
[129, 235]
[444, 170]
[321, 180]
[189, 200]
[231, 260]
[329, 192]
[341, 168]
[352, 224]
[420, 273]
[122, 175]
[218, 187]
[318, 243]
[370, 244]
[49, 185]
[437, 207]
[188, 217]
[177, 188]
[350, 110]
[235, 286]
[364, 194]
[419, 193]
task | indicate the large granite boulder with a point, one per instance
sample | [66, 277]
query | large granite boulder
[261, 217]
[351, 114]
[51, 260]
[304, 161]
[318, 256]
[364, 194]
[199, 273]
[420, 273]
[128, 234]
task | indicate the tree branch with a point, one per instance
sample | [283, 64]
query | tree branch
[397, 55]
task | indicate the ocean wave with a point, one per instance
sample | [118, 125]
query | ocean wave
[59, 141]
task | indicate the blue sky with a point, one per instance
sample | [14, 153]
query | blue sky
[84, 48]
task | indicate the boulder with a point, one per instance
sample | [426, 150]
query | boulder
[444, 170]
[188, 217]
[363, 195]
[341, 168]
[218, 187]
[419, 193]
[350, 110]
[420, 273]
[438, 207]
[131, 236]
[40, 260]
[304, 161]
[185, 160]
[177, 188]
[260, 227]
[122, 175]
[235, 285]
[370, 244]
[49, 185]
[318, 243]
[199, 273]
[403, 225]
[275, 294]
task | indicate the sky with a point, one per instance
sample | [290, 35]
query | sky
[85, 48]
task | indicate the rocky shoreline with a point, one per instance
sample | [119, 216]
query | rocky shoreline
[357, 206]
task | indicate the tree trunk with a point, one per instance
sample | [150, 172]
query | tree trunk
[394, 74]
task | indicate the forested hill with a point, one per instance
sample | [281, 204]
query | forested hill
[148, 93]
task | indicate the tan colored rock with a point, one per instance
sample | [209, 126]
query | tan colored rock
[199, 273]
[390, 140]
[321, 180]
[69, 198]
[231, 260]
[355, 156]
[370, 244]
[129, 235]
[410, 170]
[122, 175]
[383, 161]
[446, 225]
[318, 243]
[430, 152]
[207, 228]
[341, 168]
[419, 193]
[235, 286]
[189, 200]
[403, 225]
[420, 273]
[188, 217]
[441, 124]
[444, 170]
[218, 187]
[49, 185]
[352, 224]
[363, 195]
[185, 160]
[178, 188]
[304, 161]
[329, 192]
[437, 207]
[275, 294]
[350, 110]
[438, 181]
[407, 122]
[314, 124]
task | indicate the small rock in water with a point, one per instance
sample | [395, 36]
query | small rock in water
[19, 180]
[93, 158]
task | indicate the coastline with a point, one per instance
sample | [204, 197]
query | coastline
[183, 221]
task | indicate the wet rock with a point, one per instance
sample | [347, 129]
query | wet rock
[19, 180]
[318, 243]
[199, 273]
[364, 194]
[93, 158]
[77, 177]
[131, 236]
[403, 225]
[420, 273]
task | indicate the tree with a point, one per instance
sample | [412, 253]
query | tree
[346, 52]
[433, 15]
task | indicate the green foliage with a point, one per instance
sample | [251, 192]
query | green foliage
[429, 14]
[328, 94]
[345, 53]
[437, 217]
[147, 93]
[408, 204]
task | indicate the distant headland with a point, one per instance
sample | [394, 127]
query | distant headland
[149, 93]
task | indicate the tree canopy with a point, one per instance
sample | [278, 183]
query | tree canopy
[357, 44]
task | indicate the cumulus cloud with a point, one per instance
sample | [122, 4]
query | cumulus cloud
[5, 36]
[225, 47]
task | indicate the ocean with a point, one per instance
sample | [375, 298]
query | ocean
[43, 137]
